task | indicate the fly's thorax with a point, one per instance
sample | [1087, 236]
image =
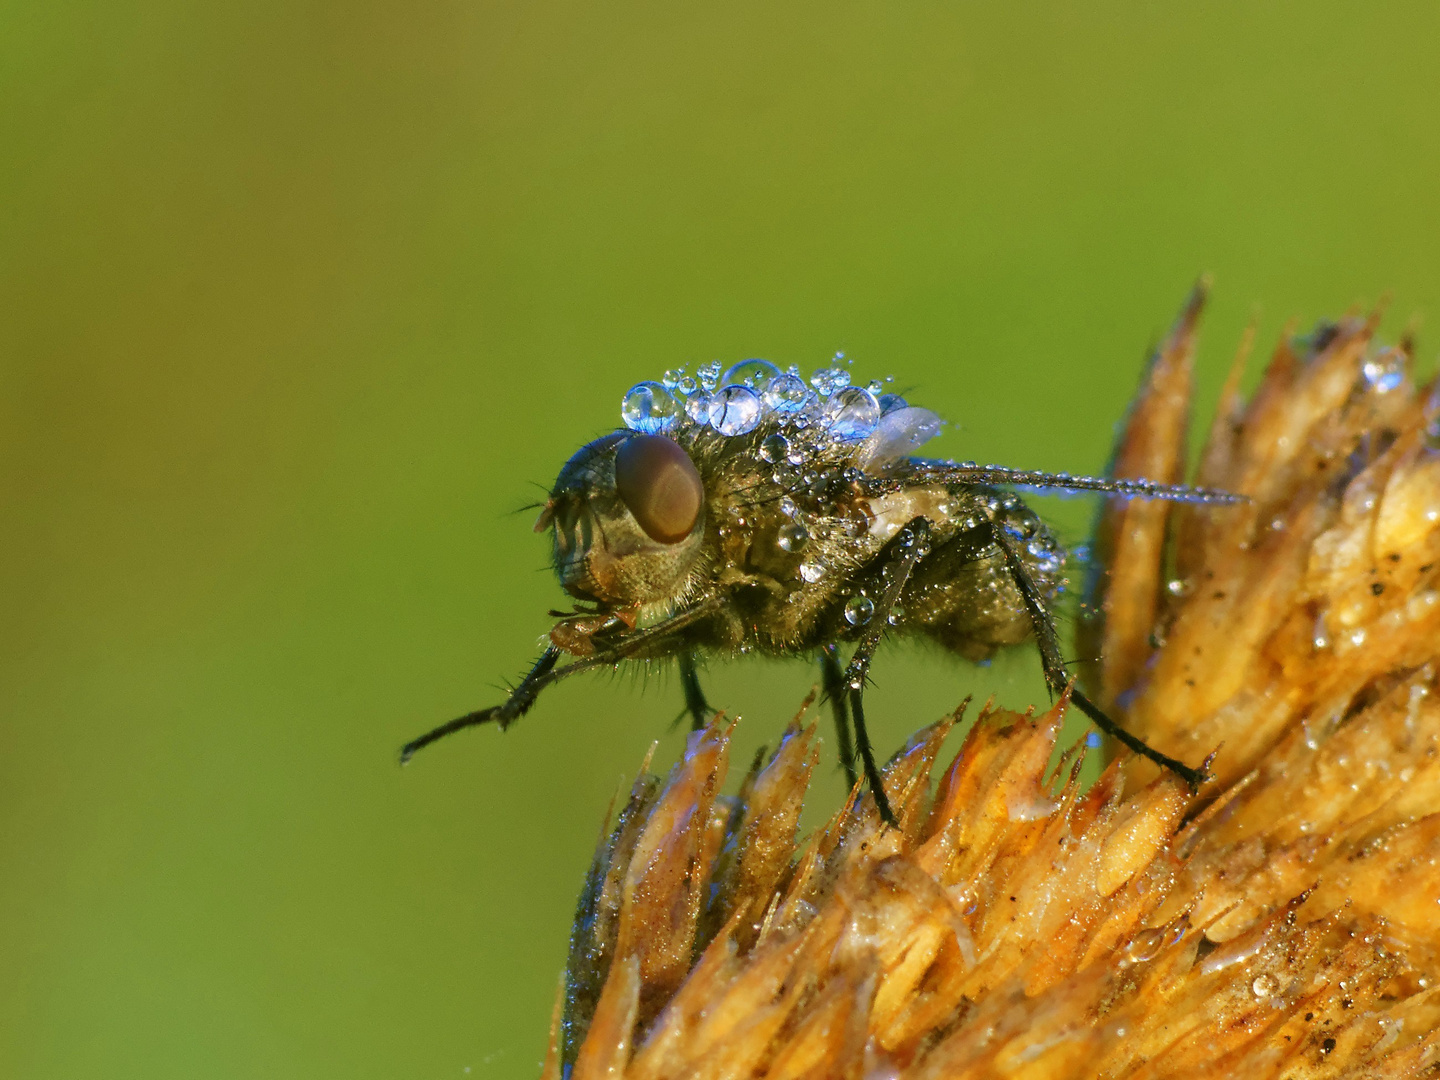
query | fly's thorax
[958, 510]
[891, 512]
[627, 514]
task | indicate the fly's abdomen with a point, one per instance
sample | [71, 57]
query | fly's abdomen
[964, 596]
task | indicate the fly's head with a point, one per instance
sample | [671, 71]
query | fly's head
[627, 514]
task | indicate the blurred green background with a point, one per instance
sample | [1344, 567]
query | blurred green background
[298, 299]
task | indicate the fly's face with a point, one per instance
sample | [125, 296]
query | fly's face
[628, 518]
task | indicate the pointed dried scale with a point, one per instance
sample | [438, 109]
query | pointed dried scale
[1282, 924]
[751, 511]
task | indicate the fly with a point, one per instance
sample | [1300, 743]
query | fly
[753, 511]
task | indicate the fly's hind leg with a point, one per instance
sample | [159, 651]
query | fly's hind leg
[1054, 665]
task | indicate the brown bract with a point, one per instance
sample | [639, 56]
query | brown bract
[1285, 923]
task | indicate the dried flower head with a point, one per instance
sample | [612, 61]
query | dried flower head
[1286, 922]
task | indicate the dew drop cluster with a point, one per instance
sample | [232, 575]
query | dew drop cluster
[737, 400]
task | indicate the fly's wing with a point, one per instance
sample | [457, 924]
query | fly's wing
[949, 472]
[899, 434]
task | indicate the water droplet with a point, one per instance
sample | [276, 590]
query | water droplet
[828, 380]
[1144, 946]
[875, 386]
[787, 506]
[775, 448]
[858, 610]
[793, 537]
[697, 407]
[1177, 587]
[852, 413]
[649, 407]
[756, 374]
[687, 385]
[709, 374]
[1265, 986]
[890, 402]
[812, 571]
[786, 393]
[672, 378]
[896, 616]
[734, 410]
[1432, 435]
[1385, 371]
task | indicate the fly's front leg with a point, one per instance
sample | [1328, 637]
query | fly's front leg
[910, 545]
[514, 707]
[695, 703]
[658, 640]
[833, 680]
[1053, 664]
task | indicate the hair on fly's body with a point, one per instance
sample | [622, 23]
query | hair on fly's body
[751, 512]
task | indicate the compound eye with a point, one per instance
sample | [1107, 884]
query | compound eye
[661, 486]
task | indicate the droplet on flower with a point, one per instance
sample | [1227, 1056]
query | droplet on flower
[1265, 985]
[775, 448]
[812, 571]
[793, 537]
[858, 610]
[649, 407]
[787, 506]
[1144, 946]
[687, 385]
[1432, 435]
[756, 374]
[672, 378]
[1385, 370]
[828, 380]
[734, 410]
[852, 413]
